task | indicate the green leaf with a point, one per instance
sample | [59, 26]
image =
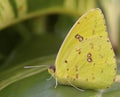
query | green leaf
[13, 11]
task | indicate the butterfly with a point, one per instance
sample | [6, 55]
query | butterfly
[86, 58]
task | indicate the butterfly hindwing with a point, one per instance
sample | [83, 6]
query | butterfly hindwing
[86, 58]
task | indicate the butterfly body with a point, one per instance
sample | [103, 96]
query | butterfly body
[86, 58]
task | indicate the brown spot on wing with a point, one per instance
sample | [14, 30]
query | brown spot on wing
[108, 40]
[93, 77]
[89, 59]
[77, 76]
[93, 63]
[93, 32]
[87, 79]
[76, 68]
[89, 55]
[78, 22]
[79, 37]
[66, 61]
[102, 71]
[67, 76]
[79, 51]
[67, 69]
[92, 46]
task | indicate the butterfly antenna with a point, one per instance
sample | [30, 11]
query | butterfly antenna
[35, 66]
[76, 87]
[49, 78]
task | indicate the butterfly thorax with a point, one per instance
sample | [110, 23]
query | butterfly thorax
[52, 70]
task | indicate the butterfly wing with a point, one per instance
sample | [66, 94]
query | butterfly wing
[86, 58]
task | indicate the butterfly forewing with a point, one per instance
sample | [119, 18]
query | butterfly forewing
[86, 58]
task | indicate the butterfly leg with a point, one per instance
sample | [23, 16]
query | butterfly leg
[75, 87]
[56, 83]
[49, 78]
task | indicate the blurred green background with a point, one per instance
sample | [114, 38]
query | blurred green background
[31, 33]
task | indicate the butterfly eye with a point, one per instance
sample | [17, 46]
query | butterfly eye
[52, 68]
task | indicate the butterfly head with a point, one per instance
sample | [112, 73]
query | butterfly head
[52, 70]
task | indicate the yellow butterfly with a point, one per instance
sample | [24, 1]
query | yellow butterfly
[86, 58]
